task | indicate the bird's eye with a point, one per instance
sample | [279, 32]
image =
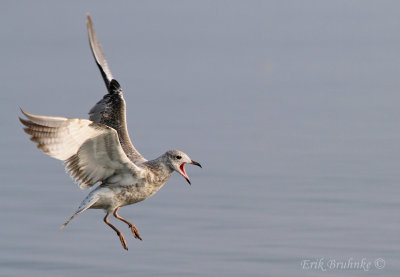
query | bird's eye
[178, 157]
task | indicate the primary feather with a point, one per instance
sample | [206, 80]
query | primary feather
[91, 151]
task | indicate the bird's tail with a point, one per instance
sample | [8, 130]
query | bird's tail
[66, 222]
[86, 204]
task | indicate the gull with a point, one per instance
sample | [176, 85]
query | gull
[99, 151]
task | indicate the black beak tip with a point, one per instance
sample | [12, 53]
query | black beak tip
[187, 179]
[196, 163]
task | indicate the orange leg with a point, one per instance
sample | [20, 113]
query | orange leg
[120, 235]
[135, 231]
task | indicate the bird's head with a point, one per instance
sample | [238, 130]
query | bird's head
[177, 160]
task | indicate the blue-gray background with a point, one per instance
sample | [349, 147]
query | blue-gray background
[291, 106]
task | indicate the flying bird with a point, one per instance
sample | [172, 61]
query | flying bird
[99, 151]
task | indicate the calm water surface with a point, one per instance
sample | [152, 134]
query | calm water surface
[291, 107]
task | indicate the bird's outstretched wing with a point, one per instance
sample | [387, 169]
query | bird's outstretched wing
[91, 151]
[111, 110]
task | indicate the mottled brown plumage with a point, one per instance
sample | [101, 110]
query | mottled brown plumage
[99, 151]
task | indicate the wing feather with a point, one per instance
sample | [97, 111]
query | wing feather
[111, 109]
[91, 151]
[98, 54]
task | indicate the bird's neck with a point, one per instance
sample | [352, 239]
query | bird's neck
[158, 171]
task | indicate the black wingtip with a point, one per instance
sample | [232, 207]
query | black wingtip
[114, 87]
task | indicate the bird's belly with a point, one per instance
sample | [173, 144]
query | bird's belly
[128, 195]
[112, 196]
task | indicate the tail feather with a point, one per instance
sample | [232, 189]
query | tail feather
[86, 204]
[66, 222]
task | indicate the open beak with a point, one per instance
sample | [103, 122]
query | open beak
[183, 172]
